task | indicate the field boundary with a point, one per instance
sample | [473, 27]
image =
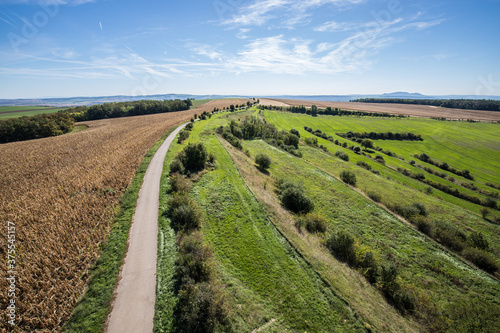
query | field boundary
[94, 306]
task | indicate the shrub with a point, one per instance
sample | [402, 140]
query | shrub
[423, 225]
[193, 260]
[189, 126]
[481, 259]
[374, 196]
[422, 210]
[388, 280]
[263, 161]
[380, 159]
[294, 199]
[179, 184]
[313, 222]
[193, 156]
[176, 167]
[364, 165]
[342, 155]
[200, 309]
[211, 158]
[183, 211]
[341, 245]
[311, 141]
[449, 237]
[186, 217]
[348, 177]
[478, 241]
[183, 135]
[369, 267]
[295, 132]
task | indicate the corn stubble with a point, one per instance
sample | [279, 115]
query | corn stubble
[62, 194]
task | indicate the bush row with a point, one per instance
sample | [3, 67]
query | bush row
[201, 302]
[444, 166]
[488, 202]
[404, 136]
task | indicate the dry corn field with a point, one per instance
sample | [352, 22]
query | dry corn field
[62, 194]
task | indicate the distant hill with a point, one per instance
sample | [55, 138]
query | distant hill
[75, 101]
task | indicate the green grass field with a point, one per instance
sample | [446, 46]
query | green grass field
[463, 145]
[402, 188]
[198, 102]
[267, 281]
[9, 112]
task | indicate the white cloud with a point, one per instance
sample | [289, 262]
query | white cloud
[295, 11]
[48, 2]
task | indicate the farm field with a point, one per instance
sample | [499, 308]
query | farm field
[62, 194]
[397, 109]
[8, 112]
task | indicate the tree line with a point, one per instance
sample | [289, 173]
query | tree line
[328, 111]
[35, 127]
[45, 125]
[127, 109]
[404, 136]
[469, 104]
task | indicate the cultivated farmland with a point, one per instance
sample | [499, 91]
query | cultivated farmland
[396, 109]
[62, 194]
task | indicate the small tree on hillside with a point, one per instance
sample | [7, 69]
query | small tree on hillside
[263, 161]
[367, 143]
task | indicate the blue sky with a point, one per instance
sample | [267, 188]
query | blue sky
[66, 48]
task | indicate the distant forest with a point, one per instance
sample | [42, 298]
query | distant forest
[42, 126]
[127, 109]
[469, 104]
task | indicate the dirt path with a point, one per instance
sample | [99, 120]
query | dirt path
[134, 305]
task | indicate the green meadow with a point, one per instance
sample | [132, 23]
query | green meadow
[9, 112]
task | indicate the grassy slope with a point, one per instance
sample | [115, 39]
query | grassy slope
[394, 187]
[266, 280]
[93, 308]
[32, 110]
[366, 300]
[418, 258]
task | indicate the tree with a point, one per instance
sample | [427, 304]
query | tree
[348, 177]
[193, 157]
[367, 143]
[263, 161]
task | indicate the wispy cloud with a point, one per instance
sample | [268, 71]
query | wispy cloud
[48, 2]
[295, 11]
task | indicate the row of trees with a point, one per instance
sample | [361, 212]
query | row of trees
[201, 305]
[405, 136]
[329, 111]
[444, 166]
[127, 109]
[469, 104]
[35, 127]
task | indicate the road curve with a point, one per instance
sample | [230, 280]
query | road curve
[134, 305]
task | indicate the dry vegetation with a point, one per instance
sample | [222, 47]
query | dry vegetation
[400, 109]
[62, 194]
